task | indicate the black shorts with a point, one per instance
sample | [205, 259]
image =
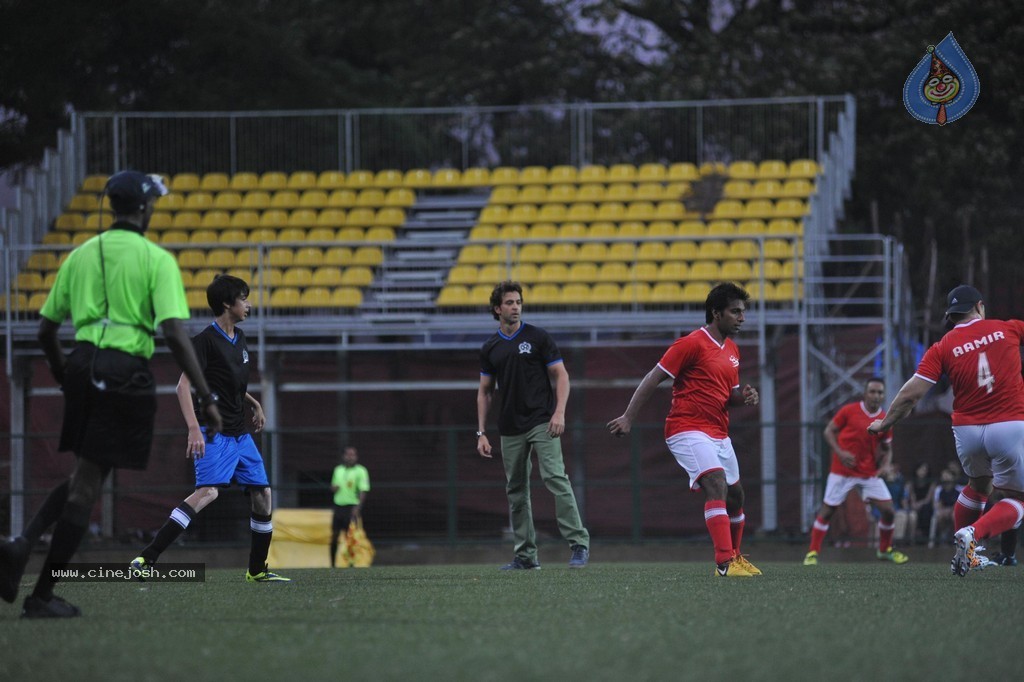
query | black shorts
[109, 407]
[342, 517]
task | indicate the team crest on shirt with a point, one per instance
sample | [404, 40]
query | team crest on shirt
[525, 348]
[245, 357]
[734, 360]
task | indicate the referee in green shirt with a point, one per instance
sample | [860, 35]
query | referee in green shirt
[117, 288]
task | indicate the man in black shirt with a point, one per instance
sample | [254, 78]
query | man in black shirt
[230, 455]
[520, 361]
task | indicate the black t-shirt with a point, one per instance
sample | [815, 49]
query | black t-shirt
[519, 364]
[225, 364]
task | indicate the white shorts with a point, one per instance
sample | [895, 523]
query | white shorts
[995, 450]
[698, 453]
[837, 487]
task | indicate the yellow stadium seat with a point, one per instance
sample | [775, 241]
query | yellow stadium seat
[418, 178]
[250, 258]
[454, 295]
[320, 234]
[572, 230]
[371, 196]
[346, 297]
[196, 299]
[533, 253]
[185, 182]
[297, 276]
[759, 293]
[198, 201]
[590, 193]
[505, 175]
[158, 222]
[330, 180]
[666, 292]
[84, 203]
[29, 281]
[300, 181]
[279, 257]
[42, 260]
[621, 251]
[481, 233]
[772, 169]
[285, 199]
[678, 190]
[692, 228]
[341, 198]
[357, 276]
[552, 213]
[533, 175]
[387, 178]
[513, 232]
[493, 215]
[563, 252]
[166, 237]
[735, 271]
[274, 219]
[368, 255]
[631, 229]
[766, 189]
[285, 297]
[504, 195]
[561, 194]
[750, 226]
[244, 182]
[327, 276]
[613, 271]
[720, 228]
[230, 236]
[790, 208]
[685, 172]
[302, 218]
[380, 233]
[400, 197]
[772, 270]
[291, 234]
[650, 191]
[652, 172]
[94, 183]
[214, 182]
[592, 173]
[338, 256]
[803, 168]
[215, 220]
[592, 251]
[786, 291]
[797, 188]
[532, 194]
[543, 294]
[309, 256]
[246, 219]
[695, 292]
[728, 209]
[620, 191]
[183, 220]
[713, 249]
[645, 272]
[315, 297]
[662, 228]
[256, 200]
[553, 272]
[622, 172]
[709, 168]
[446, 178]
[785, 226]
[643, 211]
[313, 198]
[652, 251]
[759, 208]
[574, 293]
[613, 211]
[491, 273]
[462, 274]
[217, 259]
[737, 189]
[683, 250]
[635, 292]
[545, 230]
[743, 170]
[780, 249]
[602, 230]
[582, 272]
[744, 249]
[476, 177]
[792, 269]
[57, 238]
[361, 217]
[73, 221]
[227, 200]
[605, 293]
[562, 174]
[82, 237]
[669, 210]
[201, 236]
[273, 181]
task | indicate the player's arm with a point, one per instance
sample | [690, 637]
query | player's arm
[196, 446]
[185, 355]
[484, 396]
[622, 425]
[902, 404]
[744, 396]
[47, 337]
[832, 438]
[560, 375]
[259, 419]
[883, 457]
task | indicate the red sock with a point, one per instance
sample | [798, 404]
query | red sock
[885, 536]
[717, 520]
[969, 506]
[736, 524]
[1006, 514]
[818, 532]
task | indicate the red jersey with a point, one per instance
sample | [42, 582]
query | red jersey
[982, 360]
[705, 372]
[853, 420]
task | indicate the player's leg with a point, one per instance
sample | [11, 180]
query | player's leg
[886, 524]
[340, 520]
[515, 457]
[552, 471]
[970, 448]
[14, 554]
[836, 489]
[250, 473]
[177, 522]
[1008, 548]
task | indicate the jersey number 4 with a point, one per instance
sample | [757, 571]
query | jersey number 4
[985, 378]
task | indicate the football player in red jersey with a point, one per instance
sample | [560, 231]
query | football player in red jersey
[982, 359]
[857, 457]
[704, 368]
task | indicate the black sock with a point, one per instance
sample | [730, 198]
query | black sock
[334, 547]
[67, 535]
[174, 526]
[1008, 542]
[47, 514]
[262, 531]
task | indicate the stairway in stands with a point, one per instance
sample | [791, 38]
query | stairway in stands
[416, 264]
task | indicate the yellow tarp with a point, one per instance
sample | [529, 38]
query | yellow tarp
[302, 539]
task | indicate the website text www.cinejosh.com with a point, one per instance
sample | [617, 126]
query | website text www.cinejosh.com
[112, 573]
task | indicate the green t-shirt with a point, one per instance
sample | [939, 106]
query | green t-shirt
[143, 288]
[350, 481]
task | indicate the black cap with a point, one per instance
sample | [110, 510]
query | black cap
[130, 190]
[962, 299]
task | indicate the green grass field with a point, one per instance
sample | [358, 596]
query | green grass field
[617, 621]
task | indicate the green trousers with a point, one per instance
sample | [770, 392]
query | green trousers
[515, 453]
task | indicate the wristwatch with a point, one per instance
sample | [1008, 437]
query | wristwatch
[479, 433]
[207, 399]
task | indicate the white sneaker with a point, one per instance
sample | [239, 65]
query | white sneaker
[965, 558]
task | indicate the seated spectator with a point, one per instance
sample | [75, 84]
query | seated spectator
[922, 491]
[945, 498]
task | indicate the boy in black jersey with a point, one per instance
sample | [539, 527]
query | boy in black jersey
[230, 455]
[520, 361]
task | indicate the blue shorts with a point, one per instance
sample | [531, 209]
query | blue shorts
[231, 459]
